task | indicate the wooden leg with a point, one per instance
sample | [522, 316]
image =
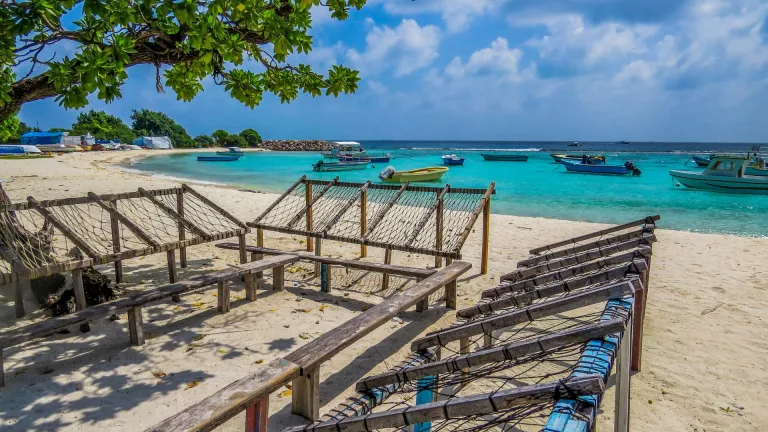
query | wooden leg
[80, 303]
[488, 341]
[306, 395]
[256, 416]
[118, 272]
[278, 278]
[385, 276]
[172, 276]
[318, 252]
[451, 298]
[2, 370]
[223, 297]
[21, 285]
[464, 348]
[250, 287]
[136, 326]
[325, 278]
[243, 252]
[423, 305]
[623, 361]
[486, 235]
[638, 315]
[256, 257]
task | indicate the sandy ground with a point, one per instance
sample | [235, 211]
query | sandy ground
[706, 335]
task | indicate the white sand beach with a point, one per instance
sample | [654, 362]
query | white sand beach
[705, 343]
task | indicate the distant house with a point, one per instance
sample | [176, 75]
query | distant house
[162, 142]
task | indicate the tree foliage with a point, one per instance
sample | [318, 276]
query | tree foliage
[203, 140]
[155, 123]
[219, 135]
[102, 126]
[234, 141]
[252, 137]
[195, 39]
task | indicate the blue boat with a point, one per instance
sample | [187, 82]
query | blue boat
[452, 159]
[701, 161]
[217, 158]
[578, 167]
[321, 165]
[371, 159]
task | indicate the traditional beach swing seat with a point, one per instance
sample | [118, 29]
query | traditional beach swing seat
[40, 238]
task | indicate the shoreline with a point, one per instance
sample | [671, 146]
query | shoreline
[706, 306]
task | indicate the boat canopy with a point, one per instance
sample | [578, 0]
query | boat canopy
[726, 166]
[33, 138]
[348, 144]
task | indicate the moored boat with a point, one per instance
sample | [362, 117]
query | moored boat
[345, 149]
[373, 159]
[218, 158]
[390, 175]
[559, 157]
[723, 174]
[757, 168]
[452, 159]
[511, 157]
[588, 168]
[231, 151]
[322, 165]
[9, 149]
[700, 160]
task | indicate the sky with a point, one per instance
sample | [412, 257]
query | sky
[511, 70]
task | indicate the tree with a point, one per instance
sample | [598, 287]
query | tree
[155, 123]
[234, 141]
[61, 130]
[252, 137]
[219, 135]
[194, 39]
[14, 130]
[204, 140]
[102, 126]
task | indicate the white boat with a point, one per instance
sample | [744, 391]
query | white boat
[59, 148]
[346, 149]
[18, 149]
[723, 174]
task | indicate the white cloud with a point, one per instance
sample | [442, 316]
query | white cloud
[324, 57]
[377, 87]
[406, 48]
[499, 59]
[457, 14]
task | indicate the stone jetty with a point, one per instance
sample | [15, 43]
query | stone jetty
[297, 145]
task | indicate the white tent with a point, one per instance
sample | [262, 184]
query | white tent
[162, 142]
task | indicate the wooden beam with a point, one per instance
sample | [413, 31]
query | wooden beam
[385, 276]
[71, 235]
[527, 314]
[628, 262]
[308, 204]
[467, 361]
[213, 205]
[223, 296]
[135, 229]
[576, 249]
[318, 252]
[623, 360]
[646, 220]
[383, 211]
[136, 326]
[363, 221]
[329, 344]
[486, 236]
[174, 215]
[439, 222]
[390, 186]
[216, 409]
[462, 407]
[451, 292]
[476, 213]
[308, 207]
[582, 258]
[278, 278]
[301, 180]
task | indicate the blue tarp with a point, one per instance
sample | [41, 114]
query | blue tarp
[33, 138]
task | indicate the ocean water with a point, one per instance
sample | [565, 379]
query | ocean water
[538, 187]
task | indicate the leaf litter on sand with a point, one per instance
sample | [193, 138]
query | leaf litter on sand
[192, 384]
[159, 374]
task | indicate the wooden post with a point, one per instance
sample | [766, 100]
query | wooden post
[318, 252]
[486, 234]
[488, 340]
[223, 296]
[172, 276]
[439, 230]
[451, 294]
[259, 243]
[2, 370]
[256, 416]
[182, 233]
[21, 285]
[79, 289]
[638, 315]
[306, 394]
[385, 276]
[464, 348]
[136, 326]
[363, 221]
[115, 225]
[308, 198]
[623, 360]
[278, 278]
[257, 257]
[325, 278]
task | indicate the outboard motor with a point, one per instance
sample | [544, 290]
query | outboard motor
[631, 167]
[387, 172]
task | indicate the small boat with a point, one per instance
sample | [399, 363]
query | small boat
[588, 168]
[559, 157]
[389, 174]
[231, 151]
[373, 159]
[504, 157]
[321, 165]
[701, 161]
[218, 158]
[574, 144]
[723, 174]
[622, 142]
[345, 149]
[9, 149]
[452, 159]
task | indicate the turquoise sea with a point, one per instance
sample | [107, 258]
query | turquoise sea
[538, 187]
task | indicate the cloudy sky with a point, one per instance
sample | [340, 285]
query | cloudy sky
[655, 70]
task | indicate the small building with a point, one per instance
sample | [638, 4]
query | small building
[162, 142]
[35, 138]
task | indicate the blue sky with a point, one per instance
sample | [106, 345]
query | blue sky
[655, 70]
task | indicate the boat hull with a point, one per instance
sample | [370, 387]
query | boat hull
[453, 161]
[741, 185]
[217, 158]
[756, 172]
[229, 153]
[701, 161]
[417, 175]
[600, 159]
[504, 158]
[578, 167]
[380, 159]
[340, 166]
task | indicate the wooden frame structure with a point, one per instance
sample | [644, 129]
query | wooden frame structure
[40, 238]
[393, 217]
